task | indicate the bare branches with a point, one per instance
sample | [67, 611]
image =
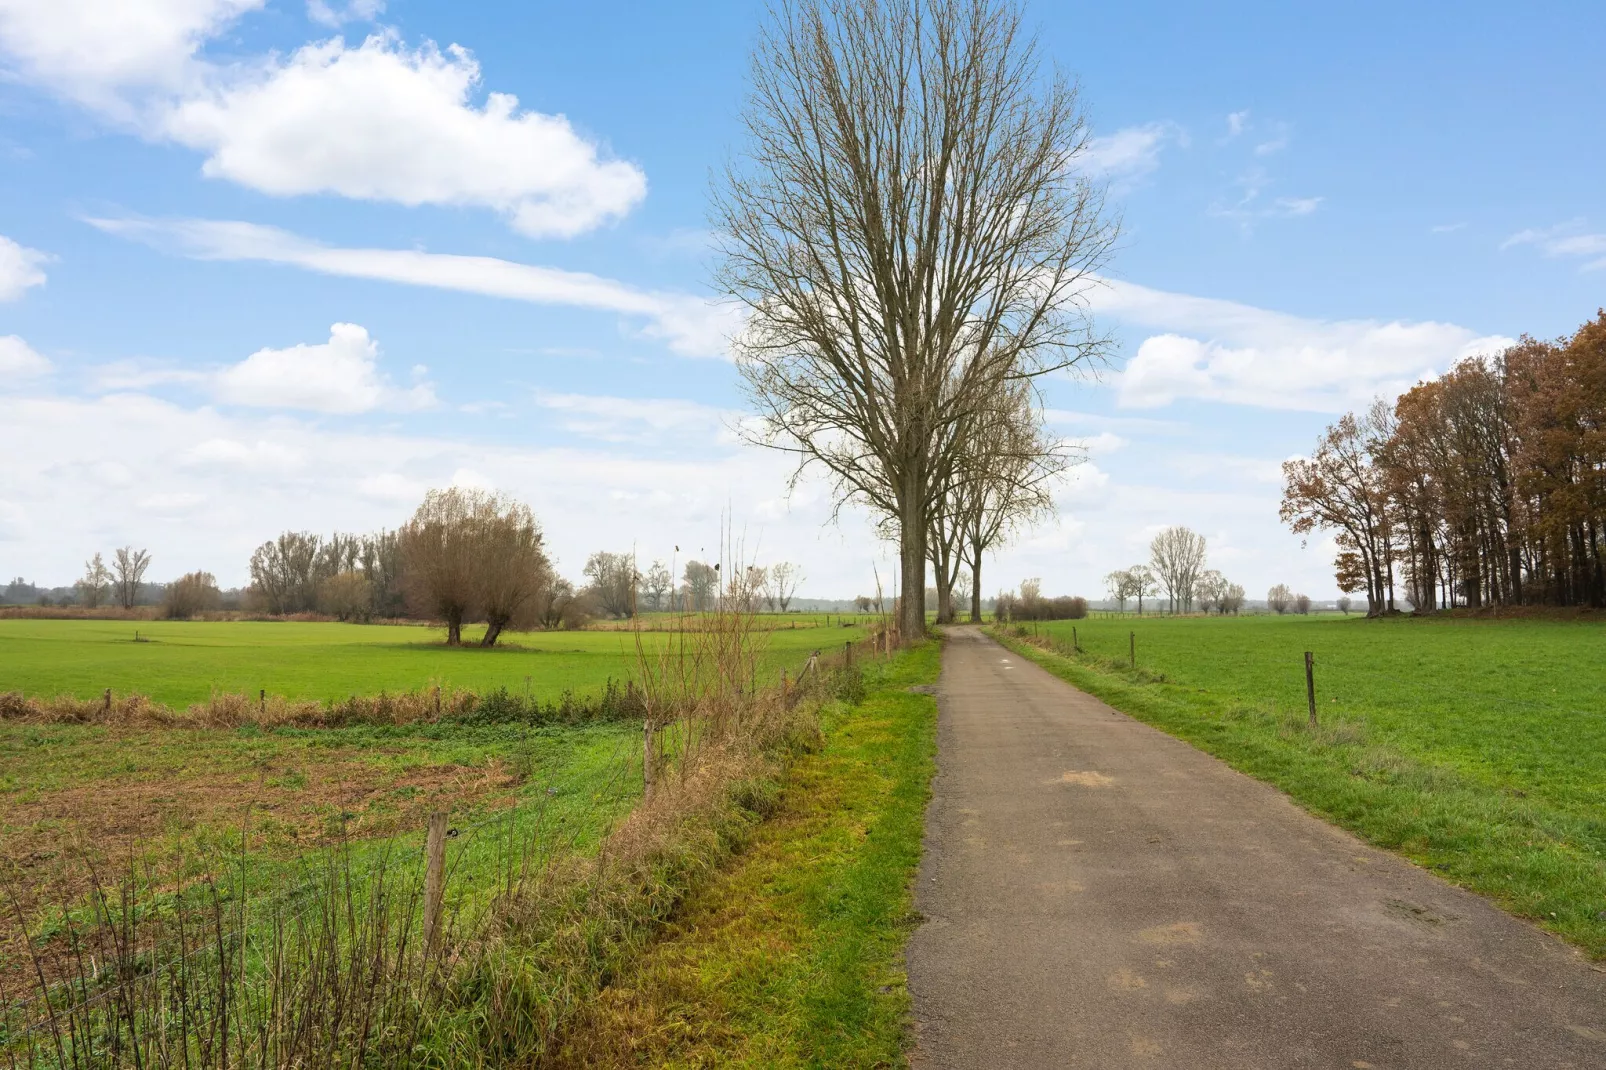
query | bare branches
[910, 235]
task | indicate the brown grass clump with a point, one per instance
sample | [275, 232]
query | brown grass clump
[233, 710]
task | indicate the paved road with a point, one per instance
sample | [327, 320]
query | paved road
[1098, 894]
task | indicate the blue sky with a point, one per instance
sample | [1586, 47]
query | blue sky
[275, 265]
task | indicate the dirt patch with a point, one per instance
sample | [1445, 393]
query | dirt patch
[172, 827]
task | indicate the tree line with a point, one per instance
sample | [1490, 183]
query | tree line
[1484, 487]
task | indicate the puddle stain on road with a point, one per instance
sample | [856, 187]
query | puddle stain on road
[1087, 778]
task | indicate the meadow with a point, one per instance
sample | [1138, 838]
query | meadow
[181, 662]
[1476, 747]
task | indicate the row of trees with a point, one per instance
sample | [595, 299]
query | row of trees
[352, 577]
[1486, 486]
[1176, 566]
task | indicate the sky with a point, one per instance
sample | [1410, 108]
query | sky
[287, 264]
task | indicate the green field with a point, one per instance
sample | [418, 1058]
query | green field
[180, 662]
[1476, 747]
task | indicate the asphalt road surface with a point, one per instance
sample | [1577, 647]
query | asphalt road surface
[1097, 894]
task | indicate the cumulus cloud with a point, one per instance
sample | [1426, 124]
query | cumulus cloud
[388, 123]
[19, 362]
[689, 325]
[380, 121]
[338, 376]
[103, 54]
[1215, 350]
[19, 269]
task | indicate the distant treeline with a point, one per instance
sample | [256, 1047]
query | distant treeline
[1484, 487]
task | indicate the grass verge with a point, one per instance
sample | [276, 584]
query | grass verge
[793, 956]
[1535, 856]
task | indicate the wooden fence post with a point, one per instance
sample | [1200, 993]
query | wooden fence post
[1076, 644]
[1132, 648]
[262, 702]
[1310, 685]
[434, 879]
[646, 759]
[108, 705]
[847, 652]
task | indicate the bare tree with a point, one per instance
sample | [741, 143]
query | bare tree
[613, 583]
[510, 566]
[1302, 604]
[1143, 584]
[909, 228]
[97, 581]
[438, 548]
[1344, 603]
[283, 571]
[1211, 590]
[784, 578]
[1233, 600]
[862, 603]
[1119, 586]
[128, 570]
[1279, 598]
[1177, 555]
[656, 583]
[702, 584]
[1001, 477]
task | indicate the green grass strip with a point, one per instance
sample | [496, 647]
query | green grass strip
[793, 957]
[1539, 860]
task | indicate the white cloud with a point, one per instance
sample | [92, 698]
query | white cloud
[1448, 228]
[385, 122]
[97, 53]
[380, 121]
[19, 362]
[338, 376]
[1296, 206]
[1236, 121]
[1217, 350]
[334, 17]
[1563, 240]
[19, 269]
[689, 325]
[1130, 153]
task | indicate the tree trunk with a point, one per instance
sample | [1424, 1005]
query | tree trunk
[493, 628]
[975, 588]
[454, 630]
[912, 560]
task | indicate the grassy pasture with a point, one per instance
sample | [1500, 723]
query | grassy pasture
[1475, 747]
[179, 662]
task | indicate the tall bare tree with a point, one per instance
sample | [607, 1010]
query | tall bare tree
[128, 570]
[1177, 555]
[908, 228]
[97, 581]
[701, 585]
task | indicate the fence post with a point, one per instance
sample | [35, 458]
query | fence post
[1132, 648]
[108, 706]
[434, 879]
[262, 702]
[1076, 644]
[646, 759]
[847, 652]
[1310, 685]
